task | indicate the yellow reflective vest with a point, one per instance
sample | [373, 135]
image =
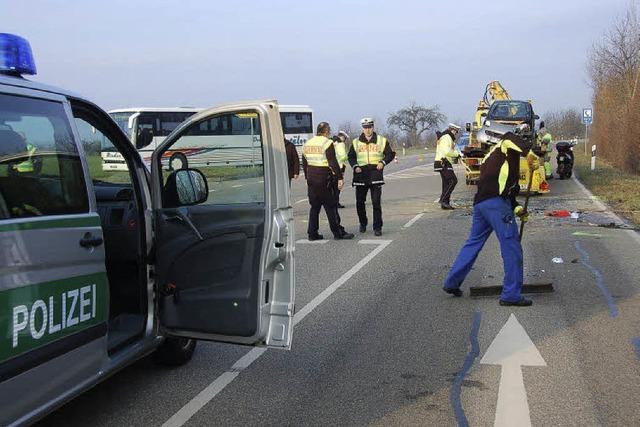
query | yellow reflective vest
[341, 154]
[504, 146]
[314, 150]
[446, 148]
[370, 154]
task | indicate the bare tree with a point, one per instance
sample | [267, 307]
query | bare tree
[614, 68]
[564, 124]
[617, 55]
[414, 120]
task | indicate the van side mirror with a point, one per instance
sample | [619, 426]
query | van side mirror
[468, 127]
[185, 187]
[536, 117]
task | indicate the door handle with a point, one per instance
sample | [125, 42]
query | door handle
[89, 241]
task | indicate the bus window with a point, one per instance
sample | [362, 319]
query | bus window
[296, 123]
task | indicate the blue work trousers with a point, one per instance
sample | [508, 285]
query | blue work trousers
[493, 214]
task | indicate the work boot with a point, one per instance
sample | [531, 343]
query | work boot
[522, 302]
[377, 232]
[446, 206]
[454, 291]
[344, 236]
[363, 228]
[313, 237]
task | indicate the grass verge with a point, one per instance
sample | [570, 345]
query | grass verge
[620, 190]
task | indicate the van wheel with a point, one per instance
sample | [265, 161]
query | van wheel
[177, 161]
[175, 351]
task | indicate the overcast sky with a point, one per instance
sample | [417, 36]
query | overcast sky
[345, 59]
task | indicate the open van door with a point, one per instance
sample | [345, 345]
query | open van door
[224, 243]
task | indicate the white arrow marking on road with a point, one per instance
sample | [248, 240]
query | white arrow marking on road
[512, 348]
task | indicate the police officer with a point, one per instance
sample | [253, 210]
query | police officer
[495, 208]
[293, 162]
[545, 140]
[446, 153]
[321, 169]
[368, 156]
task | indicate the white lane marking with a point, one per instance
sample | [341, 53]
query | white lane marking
[311, 242]
[237, 186]
[301, 201]
[512, 348]
[212, 390]
[297, 318]
[601, 206]
[413, 220]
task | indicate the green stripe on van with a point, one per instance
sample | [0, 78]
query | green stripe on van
[85, 221]
[36, 315]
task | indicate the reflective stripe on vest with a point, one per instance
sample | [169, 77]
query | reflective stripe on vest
[370, 154]
[314, 151]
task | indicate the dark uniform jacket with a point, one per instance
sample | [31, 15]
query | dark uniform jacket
[490, 184]
[293, 161]
[370, 174]
[320, 175]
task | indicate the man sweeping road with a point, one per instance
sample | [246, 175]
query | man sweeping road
[495, 208]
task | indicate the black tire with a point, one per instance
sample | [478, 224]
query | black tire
[175, 351]
[178, 161]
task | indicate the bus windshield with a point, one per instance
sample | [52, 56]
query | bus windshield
[122, 120]
[296, 123]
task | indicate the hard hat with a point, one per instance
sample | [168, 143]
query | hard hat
[452, 126]
[366, 122]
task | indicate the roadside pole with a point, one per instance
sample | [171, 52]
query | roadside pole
[587, 119]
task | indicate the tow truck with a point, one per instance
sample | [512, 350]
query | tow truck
[496, 114]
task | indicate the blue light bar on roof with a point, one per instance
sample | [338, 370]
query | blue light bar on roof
[15, 55]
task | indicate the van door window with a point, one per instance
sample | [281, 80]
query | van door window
[40, 168]
[100, 151]
[228, 150]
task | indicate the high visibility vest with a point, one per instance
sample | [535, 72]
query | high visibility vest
[504, 146]
[341, 153]
[314, 150]
[446, 148]
[370, 154]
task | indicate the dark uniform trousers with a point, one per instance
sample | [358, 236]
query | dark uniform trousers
[320, 195]
[361, 198]
[449, 182]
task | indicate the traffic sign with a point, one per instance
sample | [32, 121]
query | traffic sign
[587, 116]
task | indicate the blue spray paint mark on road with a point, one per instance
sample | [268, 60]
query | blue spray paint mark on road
[636, 345]
[456, 389]
[613, 309]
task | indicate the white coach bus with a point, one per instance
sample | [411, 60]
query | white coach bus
[227, 141]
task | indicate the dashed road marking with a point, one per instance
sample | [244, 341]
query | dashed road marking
[212, 390]
[413, 220]
[311, 242]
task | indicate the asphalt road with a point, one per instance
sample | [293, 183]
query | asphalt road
[388, 347]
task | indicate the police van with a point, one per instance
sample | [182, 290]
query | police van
[100, 268]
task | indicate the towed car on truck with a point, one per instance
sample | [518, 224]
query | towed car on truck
[100, 268]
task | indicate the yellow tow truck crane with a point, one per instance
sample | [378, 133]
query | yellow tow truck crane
[496, 114]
